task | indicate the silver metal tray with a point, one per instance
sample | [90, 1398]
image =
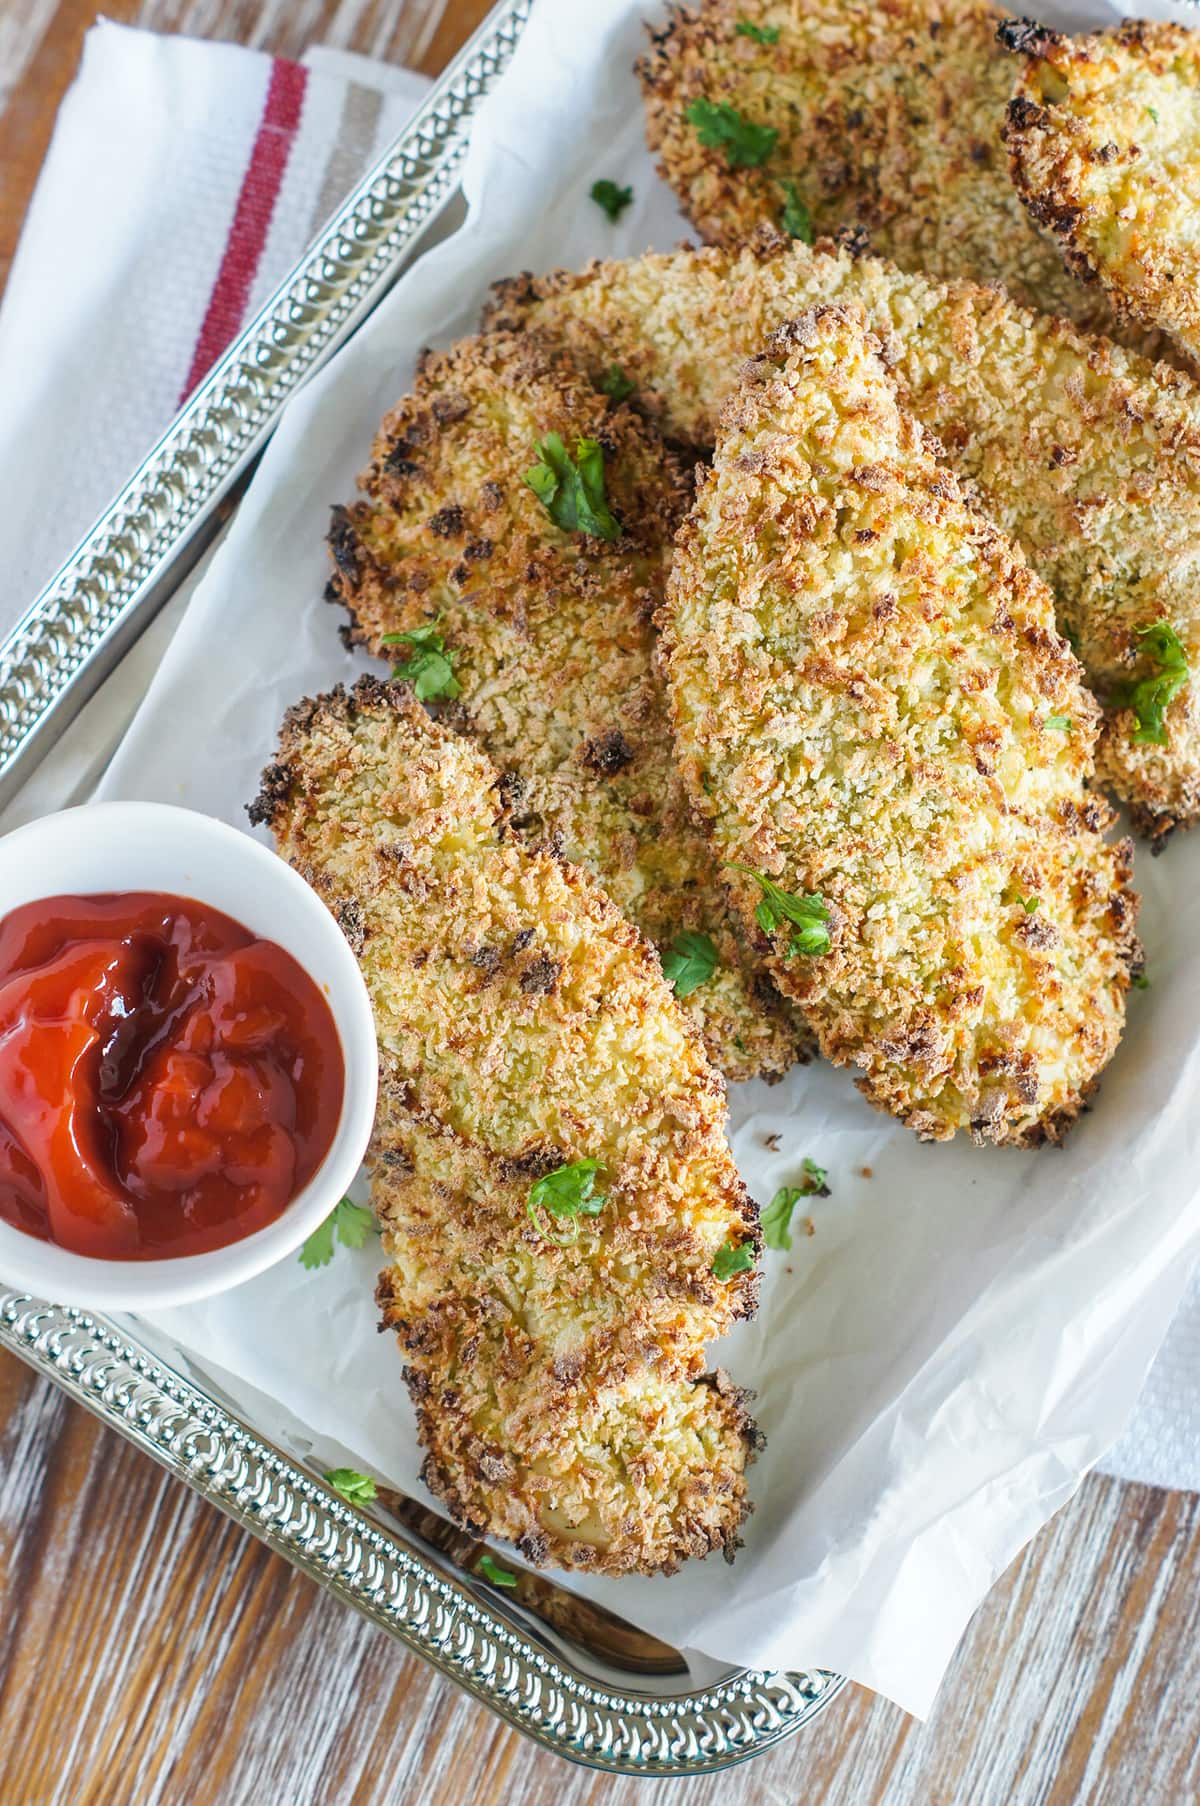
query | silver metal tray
[568, 1674]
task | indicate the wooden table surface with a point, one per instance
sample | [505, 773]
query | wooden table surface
[151, 1654]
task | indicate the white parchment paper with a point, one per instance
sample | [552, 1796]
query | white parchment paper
[965, 1331]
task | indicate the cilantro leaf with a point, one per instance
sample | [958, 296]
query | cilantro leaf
[807, 915]
[429, 667]
[615, 384]
[1061, 723]
[721, 127]
[1030, 905]
[1141, 982]
[612, 199]
[761, 34]
[565, 1195]
[318, 1249]
[1149, 696]
[795, 219]
[729, 1260]
[490, 1568]
[777, 1217]
[572, 489]
[689, 962]
[355, 1488]
[1153, 112]
[351, 1225]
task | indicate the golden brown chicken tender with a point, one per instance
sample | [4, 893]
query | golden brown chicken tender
[845, 113]
[892, 747]
[564, 1225]
[550, 639]
[1104, 141]
[1087, 454]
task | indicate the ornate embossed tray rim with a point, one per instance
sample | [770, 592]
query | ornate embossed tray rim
[511, 1654]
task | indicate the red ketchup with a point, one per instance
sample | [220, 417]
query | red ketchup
[168, 1081]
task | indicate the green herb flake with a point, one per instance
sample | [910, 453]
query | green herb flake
[1030, 905]
[777, 1217]
[721, 127]
[1150, 696]
[1060, 723]
[795, 219]
[610, 198]
[689, 962]
[348, 1223]
[728, 1260]
[615, 384]
[571, 489]
[429, 667]
[1153, 112]
[807, 915]
[490, 1568]
[356, 1489]
[1141, 982]
[761, 34]
[564, 1196]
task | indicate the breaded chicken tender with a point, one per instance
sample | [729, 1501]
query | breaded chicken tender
[555, 1350]
[1104, 141]
[892, 746]
[551, 638]
[1087, 454]
[845, 113]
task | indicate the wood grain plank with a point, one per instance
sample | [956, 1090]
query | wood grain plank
[204, 1670]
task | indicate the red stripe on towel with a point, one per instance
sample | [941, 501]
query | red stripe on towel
[251, 217]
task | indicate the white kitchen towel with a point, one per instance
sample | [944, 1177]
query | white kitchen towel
[183, 180]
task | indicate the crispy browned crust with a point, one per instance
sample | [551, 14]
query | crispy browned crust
[1087, 454]
[889, 119]
[1104, 150]
[560, 1391]
[554, 641]
[864, 675]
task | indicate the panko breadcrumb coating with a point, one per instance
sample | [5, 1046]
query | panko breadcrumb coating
[1087, 454]
[553, 644]
[1104, 139]
[867, 684]
[887, 118]
[524, 1025]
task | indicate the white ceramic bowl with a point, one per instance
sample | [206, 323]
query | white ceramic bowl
[152, 846]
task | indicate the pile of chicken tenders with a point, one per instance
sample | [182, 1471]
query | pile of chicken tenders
[774, 626]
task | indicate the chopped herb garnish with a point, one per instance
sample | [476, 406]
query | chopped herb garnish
[429, 667]
[490, 1568]
[1060, 723]
[1153, 112]
[615, 384]
[795, 219]
[777, 1217]
[729, 1260]
[721, 127]
[356, 1489]
[348, 1223]
[689, 962]
[762, 34]
[571, 489]
[564, 1196]
[612, 199]
[1150, 696]
[1030, 905]
[807, 915]
[1141, 982]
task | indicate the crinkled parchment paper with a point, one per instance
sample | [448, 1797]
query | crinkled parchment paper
[965, 1331]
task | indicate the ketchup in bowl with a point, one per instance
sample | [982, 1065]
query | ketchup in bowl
[168, 1081]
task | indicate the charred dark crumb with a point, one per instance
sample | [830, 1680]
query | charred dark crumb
[349, 917]
[541, 975]
[447, 522]
[344, 543]
[607, 753]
